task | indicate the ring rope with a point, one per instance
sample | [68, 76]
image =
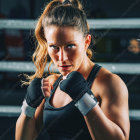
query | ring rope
[123, 68]
[117, 23]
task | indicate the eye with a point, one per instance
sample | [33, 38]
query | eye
[70, 46]
[54, 47]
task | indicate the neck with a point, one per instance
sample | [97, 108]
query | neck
[86, 67]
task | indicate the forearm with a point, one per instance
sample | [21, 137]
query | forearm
[25, 128]
[30, 122]
[100, 127]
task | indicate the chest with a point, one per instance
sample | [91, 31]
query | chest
[64, 122]
[60, 98]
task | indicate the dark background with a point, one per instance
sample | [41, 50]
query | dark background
[108, 45]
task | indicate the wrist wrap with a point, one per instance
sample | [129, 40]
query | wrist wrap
[86, 103]
[27, 110]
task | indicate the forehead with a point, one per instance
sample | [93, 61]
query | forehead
[55, 34]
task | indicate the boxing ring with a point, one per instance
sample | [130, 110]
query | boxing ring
[96, 24]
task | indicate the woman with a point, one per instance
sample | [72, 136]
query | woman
[70, 105]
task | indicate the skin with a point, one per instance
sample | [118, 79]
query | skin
[108, 120]
[134, 46]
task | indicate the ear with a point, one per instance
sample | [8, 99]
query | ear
[87, 41]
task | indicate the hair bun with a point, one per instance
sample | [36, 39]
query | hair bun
[75, 3]
[66, 2]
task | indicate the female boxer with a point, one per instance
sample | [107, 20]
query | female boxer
[85, 101]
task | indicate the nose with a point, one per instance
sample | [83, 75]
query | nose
[62, 55]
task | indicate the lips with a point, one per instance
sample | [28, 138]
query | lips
[65, 67]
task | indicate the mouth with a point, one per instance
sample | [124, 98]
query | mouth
[65, 67]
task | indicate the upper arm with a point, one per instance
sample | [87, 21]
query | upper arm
[39, 117]
[115, 102]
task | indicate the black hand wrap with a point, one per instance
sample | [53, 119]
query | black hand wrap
[34, 94]
[75, 85]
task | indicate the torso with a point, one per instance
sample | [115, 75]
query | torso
[61, 98]
[61, 118]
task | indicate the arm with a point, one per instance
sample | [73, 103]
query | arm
[28, 128]
[111, 120]
[23, 128]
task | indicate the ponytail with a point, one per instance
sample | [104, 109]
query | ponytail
[59, 13]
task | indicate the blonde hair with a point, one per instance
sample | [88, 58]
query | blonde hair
[59, 13]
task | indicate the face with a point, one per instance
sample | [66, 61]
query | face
[67, 48]
[134, 46]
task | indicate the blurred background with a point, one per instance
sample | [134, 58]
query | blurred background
[116, 48]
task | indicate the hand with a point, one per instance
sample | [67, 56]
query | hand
[75, 85]
[34, 94]
[46, 87]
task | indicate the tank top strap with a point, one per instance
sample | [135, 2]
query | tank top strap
[93, 74]
[56, 84]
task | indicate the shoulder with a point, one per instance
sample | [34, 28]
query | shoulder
[52, 78]
[110, 85]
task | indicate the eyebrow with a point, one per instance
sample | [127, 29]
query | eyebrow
[51, 43]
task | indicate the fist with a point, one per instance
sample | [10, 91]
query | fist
[46, 87]
[75, 85]
[34, 94]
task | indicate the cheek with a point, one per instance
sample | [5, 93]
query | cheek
[81, 51]
[52, 55]
[77, 56]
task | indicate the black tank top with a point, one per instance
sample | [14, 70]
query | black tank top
[66, 123]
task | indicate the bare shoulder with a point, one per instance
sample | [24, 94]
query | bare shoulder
[111, 85]
[52, 78]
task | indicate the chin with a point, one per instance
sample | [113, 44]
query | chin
[65, 73]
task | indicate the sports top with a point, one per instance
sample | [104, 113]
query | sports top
[66, 123]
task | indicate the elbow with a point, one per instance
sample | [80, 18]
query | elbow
[120, 135]
[124, 136]
[124, 132]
